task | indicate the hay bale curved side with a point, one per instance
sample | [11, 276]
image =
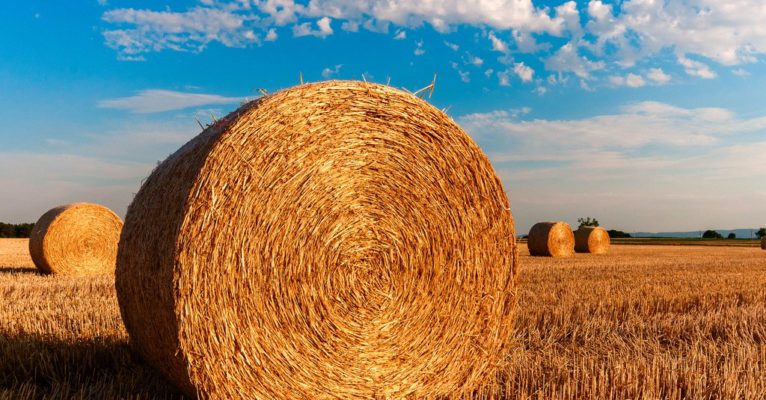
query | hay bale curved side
[76, 239]
[763, 243]
[551, 239]
[333, 240]
[592, 239]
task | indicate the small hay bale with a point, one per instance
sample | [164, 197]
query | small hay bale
[76, 239]
[551, 239]
[763, 243]
[333, 240]
[591, 239]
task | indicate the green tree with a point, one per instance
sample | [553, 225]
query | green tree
[587, 221]
[761, 233]
[709, 234]
[731, 236]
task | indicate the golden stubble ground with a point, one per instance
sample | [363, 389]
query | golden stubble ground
[643, 322]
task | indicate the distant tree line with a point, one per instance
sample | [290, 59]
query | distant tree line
[710, 234]
[617, 234]
[15, 230]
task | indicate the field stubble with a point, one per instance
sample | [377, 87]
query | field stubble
[642, 322]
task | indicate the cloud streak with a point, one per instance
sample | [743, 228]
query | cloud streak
[667, 164]
[156, 100]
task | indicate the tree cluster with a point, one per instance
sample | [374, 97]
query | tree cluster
[710, 234]
[15, 230]
[617, 234]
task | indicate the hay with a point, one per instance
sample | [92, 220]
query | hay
[76, 239]
[333, 240]
[551, 239]
[591, 239]
[763, 243]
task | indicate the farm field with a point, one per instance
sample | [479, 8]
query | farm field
[645, 321]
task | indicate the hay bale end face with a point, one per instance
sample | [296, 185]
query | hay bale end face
[333, 240]
[551, 239]
[76, 239]
[592, 239]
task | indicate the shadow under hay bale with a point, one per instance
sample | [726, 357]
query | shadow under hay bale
[76, 239]
[333, 240]
[551, 239]
[591, 239]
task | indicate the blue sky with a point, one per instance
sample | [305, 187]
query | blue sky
[648, 115]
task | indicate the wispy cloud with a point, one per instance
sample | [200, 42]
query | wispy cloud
[156, 100]
[597, 37]
[650, 157]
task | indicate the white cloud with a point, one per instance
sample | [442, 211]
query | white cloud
[526, 43]
[475, 61]
[419, 51]
[328, 73]
[324, 28]
[658, 76]
[740, 72]
[156, 100]
[497, 43]
[728, 33]
[696, 68]
[444, 14]
[452, 46]
[567, 59]
[630, 80]
[598, 34]
[271, 35]
[637, 125]
[650, 158]
[350, 26]
[524, 72]
[282, 12]
[192, 30]
[504, 78]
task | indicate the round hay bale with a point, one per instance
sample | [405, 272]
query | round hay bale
[76, 239]
[333, 240]
[551, 239]
[591, 239]
[763, 243]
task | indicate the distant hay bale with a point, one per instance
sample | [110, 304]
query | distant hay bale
[591, 239]
[333, 240]
[763, 243]
[551, 239]
[76, 239]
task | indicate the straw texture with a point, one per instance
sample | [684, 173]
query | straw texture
[76, 239]
[333, 240]
[551, 239]
[591, 239]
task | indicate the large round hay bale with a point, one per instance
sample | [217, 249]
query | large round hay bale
[591, 239]
[332, 240]
[551, 239]
[763, 243]
[76, 239]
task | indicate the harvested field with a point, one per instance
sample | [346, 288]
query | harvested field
[641, 322]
